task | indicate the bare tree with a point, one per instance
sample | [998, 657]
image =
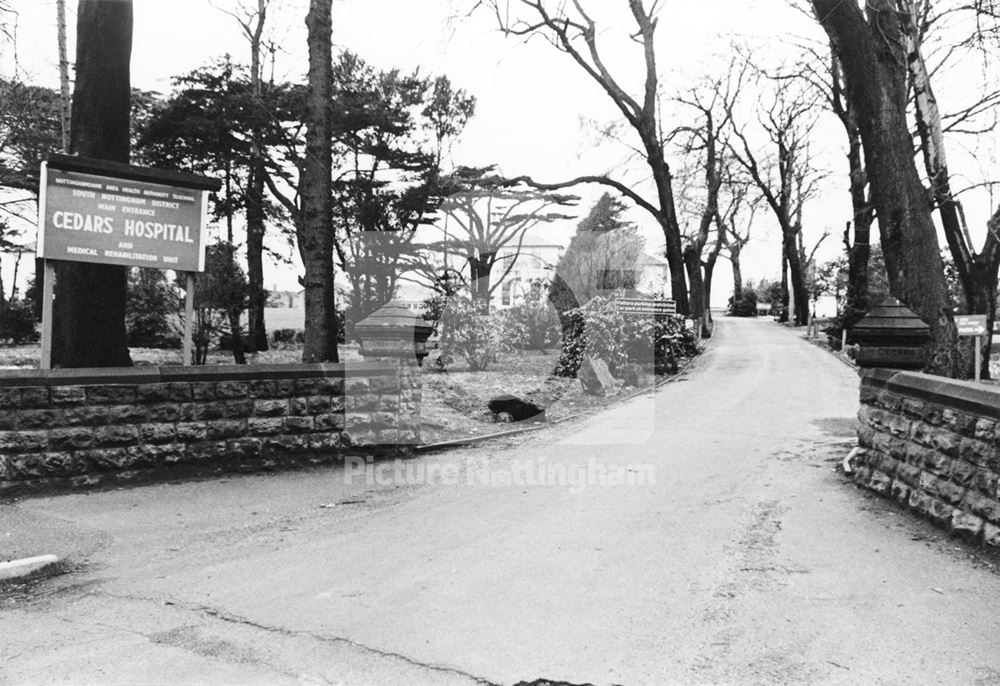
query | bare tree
[572, 31]
[784, 177]
[735, 223]
[977, 271]
[871, 47]
[252, 20]
[712, 102]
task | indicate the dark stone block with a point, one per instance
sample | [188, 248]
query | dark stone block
[67, 395]
[238, 409]
[202, 390]
[126, 414]
[157, 433]
[111, 395]
[244, 448]
[85, 415]
[39, 419]
[516, 409]
[319, 404]
[262, 389]
[71, 438]
[34, 397]
[122, 434]
[294, 425]
[228, 428]
[190, 432]
[232, 389]
[10, 398]
[164, 412]
[153, 393]
[23, 441]
[271, 408]
[265, 426]
[330, 422]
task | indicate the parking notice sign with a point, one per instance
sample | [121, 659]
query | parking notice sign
[971, 324]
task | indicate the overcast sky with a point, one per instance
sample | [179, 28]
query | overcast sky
[533, 103]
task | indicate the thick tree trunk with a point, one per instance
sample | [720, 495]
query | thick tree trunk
[239, 357]
[692, 261]
[257, 296]
[799, 295]
[315, 225]
[674, 252]
[734, 260]
[858, 303]
[480, 270]
[785, 300]
[977, 272]
[89, 307]
[874, 62]
[708, 272]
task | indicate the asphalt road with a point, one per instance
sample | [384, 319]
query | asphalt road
[748, 559]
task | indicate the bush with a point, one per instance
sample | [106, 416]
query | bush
[150, 302]
[598, 330]
[473, 332]
[746, 305]
[17, 325]
[534, 324]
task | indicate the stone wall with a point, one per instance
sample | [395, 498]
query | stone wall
[82, 427]
[933, 444]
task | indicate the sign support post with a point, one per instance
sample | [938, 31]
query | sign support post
[48, 291]
[979, 357]
[189, 318]
[973, 325]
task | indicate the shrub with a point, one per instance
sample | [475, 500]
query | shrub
[150, 302]
[474, 332]
[17, 325]
[598, 330]
[746, 305]
[534, 324]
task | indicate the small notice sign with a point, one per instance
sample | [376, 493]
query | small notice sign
[971, 324]
[645, 306]
[86, 217]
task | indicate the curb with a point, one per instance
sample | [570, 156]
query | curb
[473, 440]
[18, 569]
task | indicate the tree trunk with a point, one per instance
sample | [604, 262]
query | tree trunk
[237, 336]
[480, 270]
[858, 303]
[785, 300]
[257, 297]
[977, 272]
[315, 226]
[692, 261]
[708, 272]
[89, 306]
[734, 259]
[874, 62]
[799, 295]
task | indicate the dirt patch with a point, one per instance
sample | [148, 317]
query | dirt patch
[454, 402]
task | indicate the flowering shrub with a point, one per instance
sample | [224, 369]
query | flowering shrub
[597, 329]
[475, 333]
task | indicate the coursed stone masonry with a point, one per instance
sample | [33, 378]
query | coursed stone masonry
[933, 444]
[82, 427]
